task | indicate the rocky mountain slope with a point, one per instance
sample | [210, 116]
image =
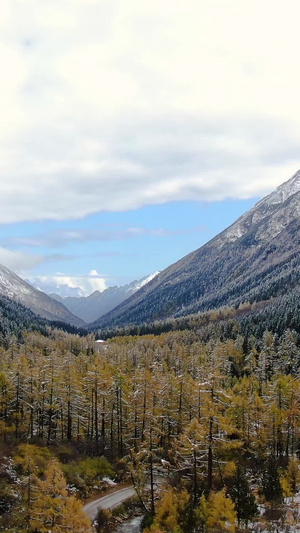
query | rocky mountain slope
[98, 303]
[256, 258]
[40, 303]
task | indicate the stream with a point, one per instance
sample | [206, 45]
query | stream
[131, 526]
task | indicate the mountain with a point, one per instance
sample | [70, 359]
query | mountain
[18, 290]
[255, 259]
[52, 287]
[98, 303]
[15, 319]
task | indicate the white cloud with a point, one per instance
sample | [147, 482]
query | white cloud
[113, 105]
[59, 238]
[80, 285]
[19, 262]
[88, 283]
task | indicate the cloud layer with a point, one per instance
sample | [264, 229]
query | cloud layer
[115, 105]
[60, 238]
[66, 285]
[19, 261]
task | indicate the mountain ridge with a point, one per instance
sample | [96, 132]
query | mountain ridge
[15, 288]
[254, 258]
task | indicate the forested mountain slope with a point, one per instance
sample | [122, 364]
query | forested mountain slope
[15, 288]
[15, 320]
[256, 258]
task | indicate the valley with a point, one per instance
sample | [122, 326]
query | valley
[149, 266]
[197, 383]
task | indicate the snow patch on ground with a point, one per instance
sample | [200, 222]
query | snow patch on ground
[109, 481]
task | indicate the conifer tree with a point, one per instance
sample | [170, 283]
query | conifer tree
[216, 514]
[170, 516]
[271, 487]
[242, 496]
[53, 510]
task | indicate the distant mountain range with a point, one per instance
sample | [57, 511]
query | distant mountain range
[74, 311]
[18, 290]
[52, 287]
[256, 258]
[98, 303]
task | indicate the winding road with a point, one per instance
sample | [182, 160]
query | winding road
[113, 500]
[108, 502]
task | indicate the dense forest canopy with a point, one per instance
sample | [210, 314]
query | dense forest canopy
[216, 415]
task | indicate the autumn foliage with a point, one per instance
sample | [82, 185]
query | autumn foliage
[216, 417]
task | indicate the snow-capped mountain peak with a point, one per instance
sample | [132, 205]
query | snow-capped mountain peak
[263, 210]
[285, 190]
[136, 285]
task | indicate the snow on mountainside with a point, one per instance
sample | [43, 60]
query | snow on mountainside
[263, 209]
[256, 258]
[41, 304]
[284, 191]
[136, 285]
[92, 307]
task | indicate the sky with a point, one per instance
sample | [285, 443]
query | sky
[133, 131]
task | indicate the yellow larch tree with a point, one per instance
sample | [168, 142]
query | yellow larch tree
[53, 510]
